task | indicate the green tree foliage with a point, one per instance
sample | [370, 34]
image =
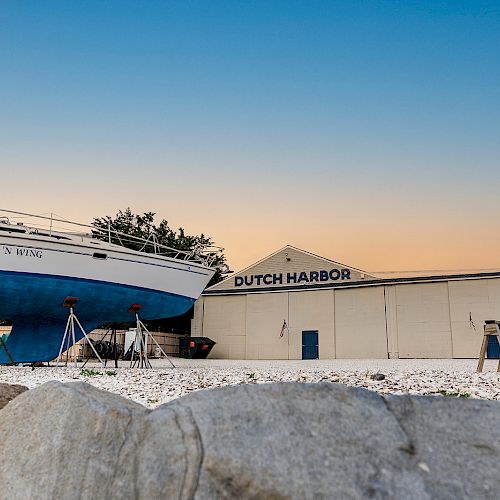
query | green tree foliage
[144, 226]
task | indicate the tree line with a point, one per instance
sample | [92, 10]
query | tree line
[144, 226]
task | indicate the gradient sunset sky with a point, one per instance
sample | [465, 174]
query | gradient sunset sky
[364, 131]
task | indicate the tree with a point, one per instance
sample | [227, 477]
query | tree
[144, 226]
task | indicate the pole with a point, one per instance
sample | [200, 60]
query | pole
[113, 334]
[62, 343]
[7, 351]
[133, 349]
[73, 337]
[67, 343]
[144, 351]
[158, 345]
[87, 337]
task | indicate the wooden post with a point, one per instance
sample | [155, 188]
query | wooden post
[491, 329]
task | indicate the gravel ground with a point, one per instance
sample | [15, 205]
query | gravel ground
[454, 378]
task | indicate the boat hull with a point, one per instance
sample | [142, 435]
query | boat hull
[34, 303]
[32, 254]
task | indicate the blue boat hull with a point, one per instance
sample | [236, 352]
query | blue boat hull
[34, 303]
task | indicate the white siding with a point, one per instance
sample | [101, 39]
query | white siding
[197, 321]
[264, 319]
[423, 321]
[391, 321]
[360, 329]
[224, 322]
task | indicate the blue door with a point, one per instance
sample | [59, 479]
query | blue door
[310, 348]
[493, 348]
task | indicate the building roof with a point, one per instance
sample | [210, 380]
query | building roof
[291, 268]
[284, 250]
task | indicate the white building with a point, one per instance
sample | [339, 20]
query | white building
[296, 305]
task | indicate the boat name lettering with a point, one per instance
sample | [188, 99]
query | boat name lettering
[22, 252]
[293, 278]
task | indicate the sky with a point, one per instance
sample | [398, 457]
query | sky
[367, 132]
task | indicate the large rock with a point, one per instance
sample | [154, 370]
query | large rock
[455, 442]
[9, 391]
[254, 441]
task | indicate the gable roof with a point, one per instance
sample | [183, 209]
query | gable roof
[311, 256]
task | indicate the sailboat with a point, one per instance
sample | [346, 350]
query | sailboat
[43, 263]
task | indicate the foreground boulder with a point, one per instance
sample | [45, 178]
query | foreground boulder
[9, 391]
[250, 441]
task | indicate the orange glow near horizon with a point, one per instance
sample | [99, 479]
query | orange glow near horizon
[370, 234]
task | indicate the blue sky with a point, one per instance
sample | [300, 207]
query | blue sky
[289, 118]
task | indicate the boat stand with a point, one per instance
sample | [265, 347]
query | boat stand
[69, 332]
[491, 329]
[142, 335]
[3, 346]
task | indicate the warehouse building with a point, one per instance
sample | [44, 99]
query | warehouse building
[297, 305]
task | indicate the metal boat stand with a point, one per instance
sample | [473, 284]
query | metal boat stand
[3, 346]
[142, 335]
[69, 332]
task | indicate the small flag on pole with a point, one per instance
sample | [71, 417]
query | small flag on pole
[283, 328]
[471, 323]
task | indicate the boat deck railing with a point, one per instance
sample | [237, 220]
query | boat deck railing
[59, 228]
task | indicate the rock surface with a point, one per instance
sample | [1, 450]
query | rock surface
[267, 441]
[9, 391]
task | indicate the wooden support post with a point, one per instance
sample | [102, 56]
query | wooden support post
[491, 329]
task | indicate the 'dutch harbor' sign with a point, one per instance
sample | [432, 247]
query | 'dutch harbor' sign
[292, 278]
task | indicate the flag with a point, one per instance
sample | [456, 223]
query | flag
[471, 323]
[283, 328]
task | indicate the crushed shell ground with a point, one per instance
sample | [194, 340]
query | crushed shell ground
[443, 378]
